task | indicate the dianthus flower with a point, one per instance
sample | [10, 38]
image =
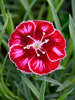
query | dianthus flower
[36, 47]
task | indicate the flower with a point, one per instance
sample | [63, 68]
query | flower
[36, 47]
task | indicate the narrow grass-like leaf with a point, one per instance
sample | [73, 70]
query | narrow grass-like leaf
[3, 30]
[26, 92]
[73, 9]
[9, 25]
[28, 10]
[50, 80]
[30, 85]
[52, 95]
[59, 5]
[5, 44]
[26, 7]
[4, 62]
[64, 96]
[11, 6]
[8, 97]
[72, 30]
[65, 85]
[61, 67]
[49, 14]
[69, 53]
[41, 12]
[72, 33]
[55, 2]
[4, 87]
[3, 10]
[42, 89]
[55, 16]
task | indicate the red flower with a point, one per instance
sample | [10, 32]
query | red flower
[36, 46]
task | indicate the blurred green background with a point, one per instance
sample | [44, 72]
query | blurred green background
[60, 84]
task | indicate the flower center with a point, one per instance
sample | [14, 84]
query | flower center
[37, 44]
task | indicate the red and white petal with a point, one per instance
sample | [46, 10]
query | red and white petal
[43, 26]
[23, 65]
[21, 57]
[22, 41]
[14, 41]
[21, 32]
[42, 65]
[55, 47]
[25, 28]
[55, 52]
[56, 39]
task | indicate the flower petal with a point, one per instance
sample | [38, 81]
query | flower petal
[42, 65]
[23, 65]
[43, 26]
[55, 52]
[21, 57]
[55, 48]
[14, 41]
[56, 39]
[21, 32]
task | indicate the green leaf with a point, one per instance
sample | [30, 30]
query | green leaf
[5, 44]
[4, 62]
[59, 5]
[65, 85]
[41, 12]
[3, 87]
[73, 9]
[55, 16]
[28, 10]
[72, 33]
[52, 95]
[61, 67]
[42, 89]
[64, 96]
[3, 10]
[69, 52]
[30, 85]
[49, 14]
[72, 30]
[50, 80]
[27, 92]
[10, 27]
[26, 7]
[3, 30]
